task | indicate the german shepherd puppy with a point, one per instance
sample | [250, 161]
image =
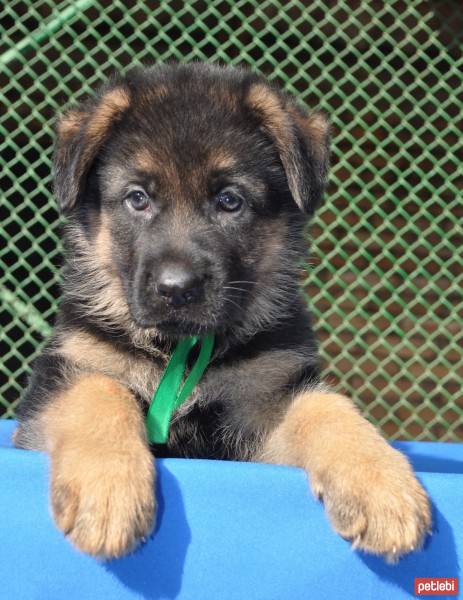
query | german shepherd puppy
[187, 190]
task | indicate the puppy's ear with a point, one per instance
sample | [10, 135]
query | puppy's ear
[81, 133]
[302, 140]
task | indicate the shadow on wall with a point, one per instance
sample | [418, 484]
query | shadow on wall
[138, 571]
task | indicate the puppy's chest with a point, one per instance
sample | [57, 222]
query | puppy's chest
[189, 426]
[231, 408]
[197, 434]
[210, 424]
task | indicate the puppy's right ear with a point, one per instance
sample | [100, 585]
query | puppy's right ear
[81, 133]
[302, 139]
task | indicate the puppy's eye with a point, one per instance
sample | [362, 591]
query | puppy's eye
[138, 200]
[228, 201]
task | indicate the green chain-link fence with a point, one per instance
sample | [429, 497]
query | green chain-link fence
[387, 268]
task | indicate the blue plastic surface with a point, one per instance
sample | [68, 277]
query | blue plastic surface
[225, 531]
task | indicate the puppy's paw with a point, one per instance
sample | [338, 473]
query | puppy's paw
[103, 501]
[376, 502]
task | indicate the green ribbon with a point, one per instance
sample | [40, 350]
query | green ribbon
[170, 394]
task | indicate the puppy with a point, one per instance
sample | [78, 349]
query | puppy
[187, 189]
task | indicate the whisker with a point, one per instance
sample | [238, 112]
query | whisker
[243, 281]
[230, 287]
[240, 308]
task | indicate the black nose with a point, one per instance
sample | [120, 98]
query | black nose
[178, 285]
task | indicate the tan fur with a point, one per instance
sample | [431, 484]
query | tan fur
[109, 302]
[145, 161]
[70, 123]
[369, 490]
[111, 106]
[97, 259]
[278, 122]
[221, 159]
[102, 472]
[163, 165]
[91, 354]
[314, 124]
[316, 127]
[103, 242]
[265, 101]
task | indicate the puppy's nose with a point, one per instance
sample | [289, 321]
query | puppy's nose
[177, 285]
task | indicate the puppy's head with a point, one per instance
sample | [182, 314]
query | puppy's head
[199, 180]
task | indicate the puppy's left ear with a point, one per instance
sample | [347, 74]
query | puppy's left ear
[302, 140]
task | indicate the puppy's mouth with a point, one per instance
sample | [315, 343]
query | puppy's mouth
[178, 329]
[212, 315]
[179, 323]
[176, 323]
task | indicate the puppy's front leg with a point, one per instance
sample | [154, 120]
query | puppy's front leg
[102, 471]
[369, 490]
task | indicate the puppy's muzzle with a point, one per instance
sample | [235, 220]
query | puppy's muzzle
[177, 285]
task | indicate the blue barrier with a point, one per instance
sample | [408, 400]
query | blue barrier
[225, 531]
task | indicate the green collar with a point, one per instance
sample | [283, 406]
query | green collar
[170, 394]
